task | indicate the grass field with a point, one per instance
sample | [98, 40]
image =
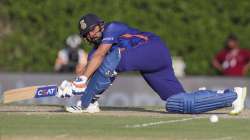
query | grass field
[119, 124]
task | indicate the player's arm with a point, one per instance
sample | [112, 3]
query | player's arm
[78, 86]
[110, 36]
[97, 59]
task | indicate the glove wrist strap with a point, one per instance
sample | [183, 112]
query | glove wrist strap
[83, 78]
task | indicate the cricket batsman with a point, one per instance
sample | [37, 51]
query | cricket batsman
[119, 48]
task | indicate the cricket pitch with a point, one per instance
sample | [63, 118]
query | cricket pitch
[117, 123]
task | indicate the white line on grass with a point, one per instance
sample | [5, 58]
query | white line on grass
[222, 138]
[162, 122]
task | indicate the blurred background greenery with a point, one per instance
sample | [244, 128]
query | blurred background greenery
[32, 31]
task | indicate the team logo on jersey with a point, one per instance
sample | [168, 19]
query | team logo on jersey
[46, 91]
[108, 39]
[83, 24]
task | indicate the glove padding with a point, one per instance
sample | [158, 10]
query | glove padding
[79, 85]
[68, 89]
[65, 89]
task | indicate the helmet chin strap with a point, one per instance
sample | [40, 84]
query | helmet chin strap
[98, 41]
[95, 42]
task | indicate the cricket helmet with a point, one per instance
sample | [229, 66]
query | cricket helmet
[88, 22]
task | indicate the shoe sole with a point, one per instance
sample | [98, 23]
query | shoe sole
[243, 98]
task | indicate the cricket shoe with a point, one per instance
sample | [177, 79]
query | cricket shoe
[238, 104]
[73, 109]
[92, 108]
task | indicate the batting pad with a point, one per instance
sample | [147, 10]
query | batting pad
[102, 78]
[200, 101]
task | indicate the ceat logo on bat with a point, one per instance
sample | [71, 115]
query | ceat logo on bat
[46, 91]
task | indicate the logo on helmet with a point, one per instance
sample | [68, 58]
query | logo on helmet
[83, 24]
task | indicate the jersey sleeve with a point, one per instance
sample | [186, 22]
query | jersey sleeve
[112, 32]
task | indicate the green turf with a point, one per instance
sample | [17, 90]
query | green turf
[106, 127]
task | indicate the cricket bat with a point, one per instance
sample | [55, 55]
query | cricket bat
[19, 94]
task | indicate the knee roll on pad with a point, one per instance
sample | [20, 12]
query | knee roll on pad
[199, 101]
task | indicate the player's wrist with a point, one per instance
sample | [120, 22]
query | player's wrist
[83, 78]
[80, 80]
[79, 85]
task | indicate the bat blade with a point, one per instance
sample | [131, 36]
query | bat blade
[29, 93]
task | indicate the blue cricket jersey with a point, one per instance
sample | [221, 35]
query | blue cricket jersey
[121, 35]
[117, 32]
[145, 52]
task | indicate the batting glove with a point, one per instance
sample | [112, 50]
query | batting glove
[65, 89]
[79, 85]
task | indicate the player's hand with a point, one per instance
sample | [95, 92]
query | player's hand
[79, 85]
[65, 89]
